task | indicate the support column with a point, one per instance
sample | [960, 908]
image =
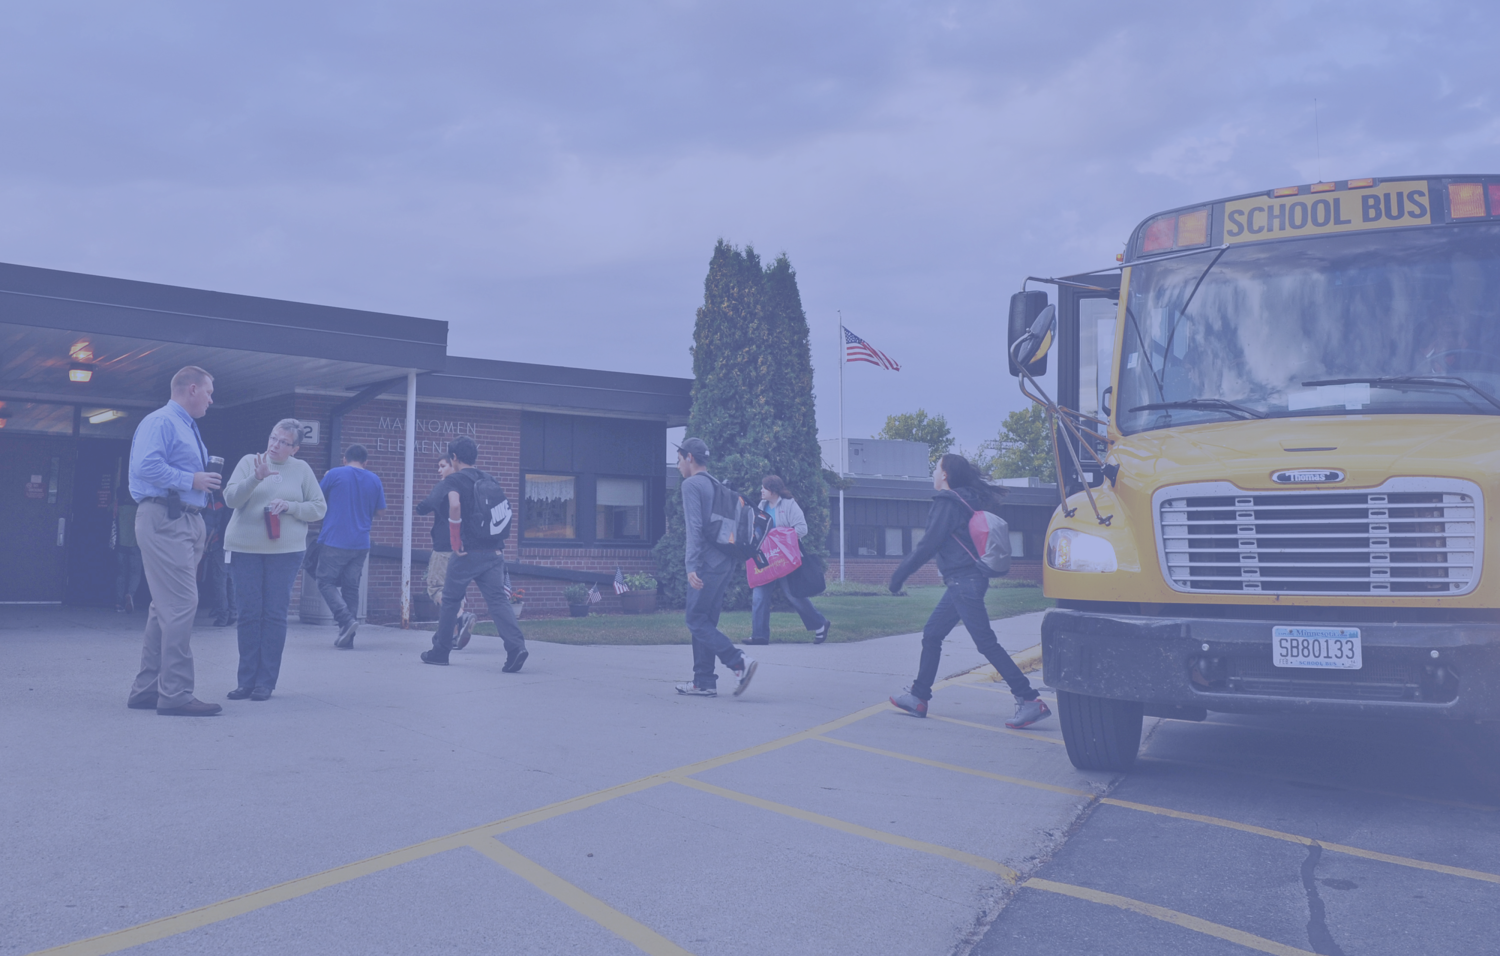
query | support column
[406, 497]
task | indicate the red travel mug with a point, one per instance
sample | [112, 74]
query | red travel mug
[273, 524]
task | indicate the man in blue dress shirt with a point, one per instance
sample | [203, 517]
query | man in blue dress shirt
[170, 479]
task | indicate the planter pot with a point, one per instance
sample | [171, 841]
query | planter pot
[516, 609]
[638, 602]
[578, 610]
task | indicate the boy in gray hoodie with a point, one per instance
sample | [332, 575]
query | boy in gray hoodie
[708, 571]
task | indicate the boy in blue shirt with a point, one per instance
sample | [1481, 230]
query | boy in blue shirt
[354, 494]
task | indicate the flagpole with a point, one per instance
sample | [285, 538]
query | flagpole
[843, 454]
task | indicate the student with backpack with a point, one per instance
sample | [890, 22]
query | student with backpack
[720, 537]
[971, 545]
[784, 512]
[478, 521]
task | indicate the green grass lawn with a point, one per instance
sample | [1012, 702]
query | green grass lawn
[854, 617]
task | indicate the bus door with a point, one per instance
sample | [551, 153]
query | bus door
[1086, 343]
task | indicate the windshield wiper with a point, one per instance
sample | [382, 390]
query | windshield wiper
[1396, 381]
[1207, 404]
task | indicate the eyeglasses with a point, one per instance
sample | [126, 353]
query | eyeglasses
[282, 443]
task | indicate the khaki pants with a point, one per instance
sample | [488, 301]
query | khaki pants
[437, 573]
[170, 552]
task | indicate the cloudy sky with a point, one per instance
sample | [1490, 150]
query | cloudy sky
[551, 178]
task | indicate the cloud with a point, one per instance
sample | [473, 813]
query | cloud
[551, 179]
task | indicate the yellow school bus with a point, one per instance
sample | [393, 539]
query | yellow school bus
[1286, 412]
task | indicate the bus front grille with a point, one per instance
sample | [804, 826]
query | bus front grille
[1410, 537]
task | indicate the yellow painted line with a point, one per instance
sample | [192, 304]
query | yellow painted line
[1183, 920]
[1308, 841]
[116, 940]
[1287, 778]
[1183, 815]
[1029, 735]
[1217, 930]
[985, 686]
[855, 829]
[1018, 781]
[642, 937]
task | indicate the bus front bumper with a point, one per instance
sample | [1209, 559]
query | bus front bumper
[1185, 666]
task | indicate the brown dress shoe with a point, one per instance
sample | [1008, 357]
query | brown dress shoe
[145, 701]
[193, 708]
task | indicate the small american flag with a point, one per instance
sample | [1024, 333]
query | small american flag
[594, 596]
[620, 586]
[857, 349]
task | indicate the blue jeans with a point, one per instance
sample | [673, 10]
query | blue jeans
[964, 601]
[263, 585]
[487, 570]
[703, 607]
[760, 609]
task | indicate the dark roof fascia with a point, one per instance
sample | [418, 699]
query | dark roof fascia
[101, 305]
[920, 489]
[555, 387]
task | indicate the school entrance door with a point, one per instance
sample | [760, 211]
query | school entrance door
[36, 497]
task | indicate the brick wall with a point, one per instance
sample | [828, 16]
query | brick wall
[380, 426]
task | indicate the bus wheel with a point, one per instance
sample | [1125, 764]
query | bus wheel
[1101, 734]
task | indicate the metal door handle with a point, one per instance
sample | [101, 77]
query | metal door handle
[62, 529]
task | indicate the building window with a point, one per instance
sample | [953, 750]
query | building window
[551, 507]
[917, 534]
[893, 542]
[98, 421]
[37, 418]
[620, 509]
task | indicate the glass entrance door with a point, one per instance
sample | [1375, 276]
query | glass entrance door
[36, 496]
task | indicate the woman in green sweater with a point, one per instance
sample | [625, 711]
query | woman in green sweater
[275, 496]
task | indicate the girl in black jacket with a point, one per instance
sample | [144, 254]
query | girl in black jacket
[961, 492]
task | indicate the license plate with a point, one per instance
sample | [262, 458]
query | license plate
[1336, 647]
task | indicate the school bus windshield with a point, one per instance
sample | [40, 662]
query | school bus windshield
[1241, 335]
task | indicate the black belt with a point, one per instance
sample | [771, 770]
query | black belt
[190, 509]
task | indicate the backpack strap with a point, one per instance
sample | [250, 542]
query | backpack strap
[968, 548]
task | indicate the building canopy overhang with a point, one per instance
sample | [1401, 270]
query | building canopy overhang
[137, 334]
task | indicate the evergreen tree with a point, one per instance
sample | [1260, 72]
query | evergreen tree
[752, 401]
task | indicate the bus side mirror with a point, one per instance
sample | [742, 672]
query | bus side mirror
[1027, 310]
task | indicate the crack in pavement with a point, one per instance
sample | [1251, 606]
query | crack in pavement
[1317, 925]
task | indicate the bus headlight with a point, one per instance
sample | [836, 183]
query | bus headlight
[1069, 550]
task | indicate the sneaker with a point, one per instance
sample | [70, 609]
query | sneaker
[465, 630]
[345, 639]
[743, 673]
[693, 690]
[1028, 712]
[912, 704]
[513, 664]
[821, 634]
[431, 657]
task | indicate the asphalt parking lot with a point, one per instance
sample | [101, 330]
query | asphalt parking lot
[378, 806]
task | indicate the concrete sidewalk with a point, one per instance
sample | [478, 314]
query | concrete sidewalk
[119, 817]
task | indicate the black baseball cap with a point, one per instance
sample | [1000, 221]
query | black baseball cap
[694, 447]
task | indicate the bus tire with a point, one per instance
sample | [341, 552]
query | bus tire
[1101, 734]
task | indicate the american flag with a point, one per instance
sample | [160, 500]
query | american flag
[594, 596]
[620, 587]
[857, 349]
